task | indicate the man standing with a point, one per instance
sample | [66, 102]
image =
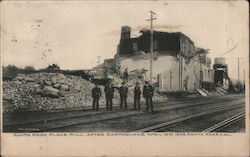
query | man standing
[123, 95]
[148, 92]
[137, 96]
[109, 94]
[96, 93]
[125, 75]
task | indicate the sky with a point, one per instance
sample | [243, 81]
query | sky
[73, 34]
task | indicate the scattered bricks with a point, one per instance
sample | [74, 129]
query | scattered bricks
[64, 87]
[38, 91]
[36, 85]
[57, 86]
[40, 81]
[53, 80]
[51, 92]
[48, 83]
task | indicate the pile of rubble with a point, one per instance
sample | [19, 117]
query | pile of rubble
[45, 91]
[219, 91]
[49, 91]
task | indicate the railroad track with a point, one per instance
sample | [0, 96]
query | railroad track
[85, 113]
[110, 117]
[226, 122]
[162, 126]
[89, 108]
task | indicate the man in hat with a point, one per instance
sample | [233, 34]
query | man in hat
[109, 94]
[137, 96]
[96, 93]
[148, 92]
[123, 95]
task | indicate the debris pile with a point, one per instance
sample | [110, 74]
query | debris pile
[49, 91]
[219, 91]
[45, 91]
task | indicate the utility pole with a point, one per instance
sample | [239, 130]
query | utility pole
[238, 70]
[244, 80]
[151, 42]
[238, 59]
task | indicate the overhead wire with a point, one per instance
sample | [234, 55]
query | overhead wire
[229, 50]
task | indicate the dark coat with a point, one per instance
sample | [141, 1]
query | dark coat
[109, 91]
[137, 92]
[148, 91]
[123, 91]
[96, 92]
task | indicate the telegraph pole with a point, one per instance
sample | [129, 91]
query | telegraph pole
[238, 59]
[151, 43]
[244, 79]
[238, 70]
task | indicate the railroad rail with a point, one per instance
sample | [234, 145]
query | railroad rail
[79, 114]
[73, 119]
[133, 115]
[162, 126]
[226, 122]
[76, 120]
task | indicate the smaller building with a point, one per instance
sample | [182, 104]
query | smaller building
[221, 73]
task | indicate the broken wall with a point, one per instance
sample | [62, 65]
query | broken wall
[192, 74]
[162, 63]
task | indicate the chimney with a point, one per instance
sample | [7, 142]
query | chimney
[125, 32]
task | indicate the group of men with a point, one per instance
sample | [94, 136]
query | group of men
[148, 92]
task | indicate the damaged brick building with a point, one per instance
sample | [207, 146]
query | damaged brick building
[178, 65]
